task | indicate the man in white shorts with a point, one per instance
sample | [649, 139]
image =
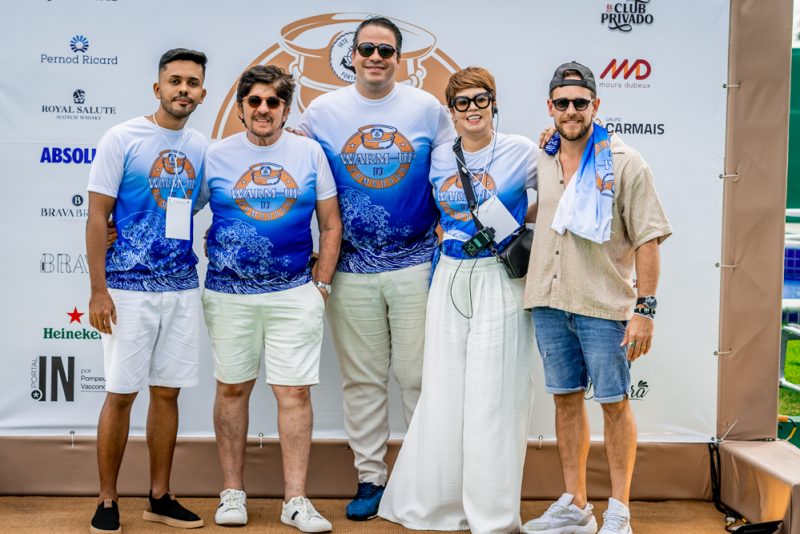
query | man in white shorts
[144, 288]
[261, 293]
[378, 136]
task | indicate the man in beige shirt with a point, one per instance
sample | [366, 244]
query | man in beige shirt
[593, 315]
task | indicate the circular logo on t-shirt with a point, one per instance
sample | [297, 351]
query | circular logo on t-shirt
[453, 201]
[171, 172]
[265, 192]
[377, 156]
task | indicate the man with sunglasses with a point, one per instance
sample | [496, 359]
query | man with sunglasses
[378, 136]
[261, 294]
[599, 225]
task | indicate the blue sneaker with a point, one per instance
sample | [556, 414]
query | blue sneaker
[365, 504]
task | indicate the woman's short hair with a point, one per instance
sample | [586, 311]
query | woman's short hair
[467, 79]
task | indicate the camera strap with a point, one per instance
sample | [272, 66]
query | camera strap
[466, 182]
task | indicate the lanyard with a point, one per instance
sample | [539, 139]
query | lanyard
[174, 155]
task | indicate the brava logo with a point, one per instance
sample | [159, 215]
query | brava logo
[63, 263]
[64, 213]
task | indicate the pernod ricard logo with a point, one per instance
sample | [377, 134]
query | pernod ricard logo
[78, 110]
[623, 16]
[72, 330]
[79, 46]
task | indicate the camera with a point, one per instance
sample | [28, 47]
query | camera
[479, 241]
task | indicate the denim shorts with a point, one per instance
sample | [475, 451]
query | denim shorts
[576, 349]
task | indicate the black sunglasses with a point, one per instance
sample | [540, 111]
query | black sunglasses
[254, 101]
[384, 50]
[461, 103]
[580, 104]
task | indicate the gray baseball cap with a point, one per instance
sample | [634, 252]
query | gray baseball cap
[587, 78]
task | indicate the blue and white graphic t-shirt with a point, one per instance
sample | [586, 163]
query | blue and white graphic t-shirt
[141, 165]
[379, 152]
[511, 171]
[262, 199]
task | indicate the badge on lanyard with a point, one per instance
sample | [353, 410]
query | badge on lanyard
[179, 218]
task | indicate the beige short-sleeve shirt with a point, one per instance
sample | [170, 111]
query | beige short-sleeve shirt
[573, 274]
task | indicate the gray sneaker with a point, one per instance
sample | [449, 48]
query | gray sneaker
[617, 519]
[563, 517]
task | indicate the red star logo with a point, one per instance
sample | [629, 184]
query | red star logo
[74, 316]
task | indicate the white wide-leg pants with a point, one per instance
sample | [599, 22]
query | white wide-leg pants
[461, 463]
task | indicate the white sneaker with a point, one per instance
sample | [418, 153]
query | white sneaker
[301, 514]
[616, 519]
[232, 509]
[563, 517]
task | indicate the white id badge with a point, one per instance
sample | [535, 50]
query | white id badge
[493, 213]
[179, 218]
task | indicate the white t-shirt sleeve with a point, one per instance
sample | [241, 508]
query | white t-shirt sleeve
[305, 123]
[326, 185]
[105, 175]
[445, 131]
[532, 173]
[204, 194]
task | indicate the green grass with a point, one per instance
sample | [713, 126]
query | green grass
[789, 401]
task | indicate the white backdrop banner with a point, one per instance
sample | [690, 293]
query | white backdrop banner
[73, 68]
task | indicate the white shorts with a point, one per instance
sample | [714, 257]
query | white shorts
[285, 325]
[155, 341]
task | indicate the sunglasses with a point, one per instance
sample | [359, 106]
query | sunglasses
[481, 100]
[384, 50]
[254, 101]
[580, 104]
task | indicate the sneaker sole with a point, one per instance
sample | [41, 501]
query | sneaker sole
[170, 521]
[291, 523]
[230, 521]
[573, 529]
[93, 530]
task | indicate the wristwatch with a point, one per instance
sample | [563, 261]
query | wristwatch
[646, 306]
[324, 285]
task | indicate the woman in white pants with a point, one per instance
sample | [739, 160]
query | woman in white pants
[461, 463]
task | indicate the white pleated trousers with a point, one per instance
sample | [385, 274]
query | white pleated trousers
[460, 466]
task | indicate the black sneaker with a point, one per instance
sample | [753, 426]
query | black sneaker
[168, 510]
[106, 518]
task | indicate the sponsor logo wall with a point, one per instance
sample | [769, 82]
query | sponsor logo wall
[85, 67]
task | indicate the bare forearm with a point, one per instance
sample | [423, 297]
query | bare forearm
[648, 262]
[329, 241]
[96, 236]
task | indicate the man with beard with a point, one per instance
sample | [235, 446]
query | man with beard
[599, 223]
[144, 289]
[261, 294]
[378, 136]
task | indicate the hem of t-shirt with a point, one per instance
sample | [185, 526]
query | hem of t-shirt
[388, 269]
[328, 194]
[213, 285]
[661, 233]
[152, 284]
[95, 189]
[610, 315]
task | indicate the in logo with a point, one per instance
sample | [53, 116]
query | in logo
[79, 43]
[79, 96]
[639, 68]
[265, 192]
[50, 377]
[377, 156]
[171, 172]
[451, 195]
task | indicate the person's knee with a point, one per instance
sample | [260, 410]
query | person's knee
[120, 401]
[569, 401]
[292, 396]
[163, 394]
[616, 411]
[230, 392]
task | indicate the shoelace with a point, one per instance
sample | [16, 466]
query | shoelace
[614, 521]
[556, 510]
[233, 500]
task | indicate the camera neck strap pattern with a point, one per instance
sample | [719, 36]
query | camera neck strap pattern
[466, 182]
